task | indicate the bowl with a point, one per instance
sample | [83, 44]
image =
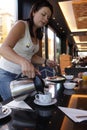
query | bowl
[69, 77]
[69, 85]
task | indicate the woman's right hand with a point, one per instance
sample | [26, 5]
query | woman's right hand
[28, 69]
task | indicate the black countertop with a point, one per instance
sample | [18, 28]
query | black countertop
[49, 117]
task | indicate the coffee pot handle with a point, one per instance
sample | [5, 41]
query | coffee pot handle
[21, 77]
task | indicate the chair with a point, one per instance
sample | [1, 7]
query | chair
[65, 60]
[46, 71]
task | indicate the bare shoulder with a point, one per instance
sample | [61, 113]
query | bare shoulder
[18, 28]
[16, 33]
[20, 24]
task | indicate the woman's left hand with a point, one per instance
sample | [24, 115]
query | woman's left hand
[51, 63]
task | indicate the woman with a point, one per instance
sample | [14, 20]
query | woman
[21, 45]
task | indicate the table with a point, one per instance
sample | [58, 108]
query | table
[75, 70]
[49, 117]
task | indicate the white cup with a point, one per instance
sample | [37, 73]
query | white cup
[44, 98]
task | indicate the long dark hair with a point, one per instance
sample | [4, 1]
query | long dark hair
[36, 6]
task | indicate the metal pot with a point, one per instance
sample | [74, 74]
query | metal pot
[22, 87]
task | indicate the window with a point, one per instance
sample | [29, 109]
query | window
[57, 48]
[50, 44]
[43, 44]
[82, 54]
[0, 27]
[8, 16]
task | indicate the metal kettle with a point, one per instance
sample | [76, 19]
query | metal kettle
[22, 87]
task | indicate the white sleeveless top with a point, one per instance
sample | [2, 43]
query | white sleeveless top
[25, 48]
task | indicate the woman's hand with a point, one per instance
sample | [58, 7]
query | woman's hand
[51, 63]
[28, 69]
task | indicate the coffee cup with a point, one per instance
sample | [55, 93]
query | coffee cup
[44, 98]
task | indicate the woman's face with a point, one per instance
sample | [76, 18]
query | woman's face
[41, 17]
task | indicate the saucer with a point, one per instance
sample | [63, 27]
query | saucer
[55, 79]
[46, 104]
[5, 112]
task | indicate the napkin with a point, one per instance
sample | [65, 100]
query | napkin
[76, 115]
[18, 105]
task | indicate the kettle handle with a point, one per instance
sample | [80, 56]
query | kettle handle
[21, 77]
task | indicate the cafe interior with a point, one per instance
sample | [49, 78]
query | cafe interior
[66, 35]
[65, 41]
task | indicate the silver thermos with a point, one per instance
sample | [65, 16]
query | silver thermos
[21, 88]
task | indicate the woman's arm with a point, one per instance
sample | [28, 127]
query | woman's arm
[6, 50]
[39, 60]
